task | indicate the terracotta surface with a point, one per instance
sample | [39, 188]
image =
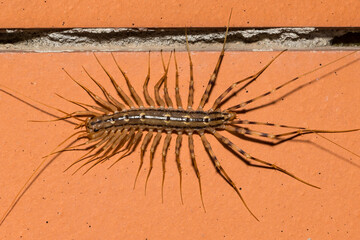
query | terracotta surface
[103, 204]
[171, 13]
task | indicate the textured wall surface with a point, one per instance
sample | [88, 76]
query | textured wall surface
[103, 205]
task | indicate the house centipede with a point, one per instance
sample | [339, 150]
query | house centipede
[115, 127]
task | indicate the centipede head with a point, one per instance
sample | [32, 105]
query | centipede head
[229, 116]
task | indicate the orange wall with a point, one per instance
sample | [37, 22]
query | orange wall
[103, 205]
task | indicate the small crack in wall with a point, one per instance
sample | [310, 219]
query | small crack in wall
[200, 39]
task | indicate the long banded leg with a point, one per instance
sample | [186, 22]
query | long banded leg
[135, 96]
[243, 104]
[305, 131]
[107, 95]
[191, 83]
[119, 90]
[152, 152]
[246, 131]
[222, 172]
[247, 156]
[194, 164]
[252, 78]
[147, 97]
[144, 145]
[213, 77]
[163, 160]
[83, 105]
[167, 98]
[294, 134]
[300, 131]
[102, 103]
[177, 89]
[237, 121]
[178, 163]
[157, 86]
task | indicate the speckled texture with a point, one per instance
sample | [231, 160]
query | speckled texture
[103, 205]
[173, 13]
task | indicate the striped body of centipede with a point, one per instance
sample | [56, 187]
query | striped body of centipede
[114, 128]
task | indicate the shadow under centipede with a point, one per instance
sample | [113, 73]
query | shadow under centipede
[329, 151]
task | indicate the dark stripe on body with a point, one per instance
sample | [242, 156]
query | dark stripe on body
[159, 118]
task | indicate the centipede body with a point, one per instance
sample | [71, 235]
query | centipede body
[220, 84]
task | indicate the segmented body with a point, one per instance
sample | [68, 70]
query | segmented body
[166, 119]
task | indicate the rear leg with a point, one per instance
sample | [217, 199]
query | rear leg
[222, 172]
[219, 101]
[247, 156]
